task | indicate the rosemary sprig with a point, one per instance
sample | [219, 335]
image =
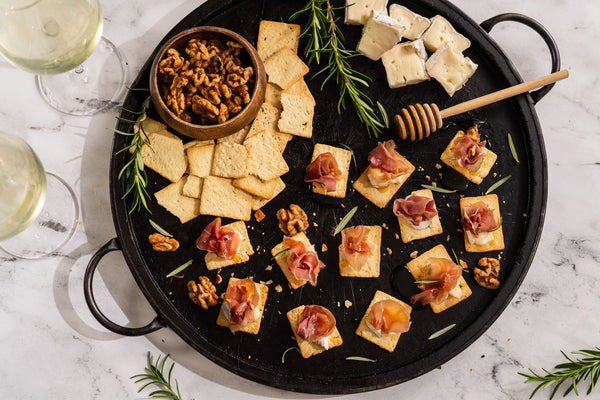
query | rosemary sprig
[280, 252]
[180, 268]
[345, 221]
[571, 372]
[497, 184]
[155, 376]
[325, 37]
[513, 151]
[426, 282]
[159, 229]
[438, 189]
[441, 331]
[359, 358]
[285, 352]
[133, 170]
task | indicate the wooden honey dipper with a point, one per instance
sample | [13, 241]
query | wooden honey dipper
[418, 121]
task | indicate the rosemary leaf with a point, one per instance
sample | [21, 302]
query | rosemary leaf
[359, 358]
[512, 148]
[159, 229]
[455, 257]
[497, 184]
[179, 269]
[285, 352]
[154, 375]
[280, 252]
[384, 115]
[437, 189]
[345, 221]
[425, 282]
[441, 332]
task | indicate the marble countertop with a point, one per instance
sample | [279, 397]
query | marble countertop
[51, 347]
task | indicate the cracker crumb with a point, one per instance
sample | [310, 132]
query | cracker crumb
[259, 215]
[421, 168]
[314, 214]
[448, 205]
[427, 178]
[434, 184]
[348, 303]
[338, 304]
[278, 289]
[389, 250]
[494, 175]
[269, 268]
[384, 226]
[315, 224]
[448, 238]
[343, 205]
[525, 215]
[218, 279]
[438, 166]
[323, 247]
[508, 340]
[396, 236]
[414, 254]
[257, 247]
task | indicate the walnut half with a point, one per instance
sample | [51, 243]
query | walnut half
[203, 293]
[292, 221]
[488, 276]
[163, 243]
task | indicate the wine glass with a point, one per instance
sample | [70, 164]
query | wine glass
[38, 210]
[51, 37]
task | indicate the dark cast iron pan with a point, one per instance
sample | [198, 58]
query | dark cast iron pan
[258, 357]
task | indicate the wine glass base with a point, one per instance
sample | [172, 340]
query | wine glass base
[95, 85]
[53, 227]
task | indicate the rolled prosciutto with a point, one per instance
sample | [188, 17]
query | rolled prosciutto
[416, 209]
[468, 153]
[324, 170]
[355, 248]
[223, 241]
[315, 323]
[385, 167]
[478, 217]
[304, 264]
[243, 299]
[389, 316]
[446, 273]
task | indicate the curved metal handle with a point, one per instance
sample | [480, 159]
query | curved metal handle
[112, 245]
[487, 26]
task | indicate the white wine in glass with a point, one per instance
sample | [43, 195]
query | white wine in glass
[38, 210]
[78, 72]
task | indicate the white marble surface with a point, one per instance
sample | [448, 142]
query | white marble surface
[51, 347]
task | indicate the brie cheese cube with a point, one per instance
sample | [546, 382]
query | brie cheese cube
[405, 64]
[441, 32]
[379, 34]
[415, 24]
[450, 68]
[359, 11]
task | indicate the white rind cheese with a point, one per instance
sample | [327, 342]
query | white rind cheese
[359, 11]
[450, 68]
[415, 24]
[405, 64]
[456, 291]
[440, 32]
[482, 239]
[379, 34]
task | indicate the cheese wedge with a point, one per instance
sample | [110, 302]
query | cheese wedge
[450, 68]
[379, 34]
[358, 11]
[405, 64]
[415, 24]
[440, 32]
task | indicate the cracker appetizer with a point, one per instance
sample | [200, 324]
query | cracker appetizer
[469, 156]
[298, 260]
[385, 175]
[314, 328]
[359, 253]
[384, 321]
[328, 170]
[417, 216]
[481, 223]
[226, 245]
[243, 305]
[441, 281]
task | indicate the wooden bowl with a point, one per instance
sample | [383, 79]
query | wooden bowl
[249, 56]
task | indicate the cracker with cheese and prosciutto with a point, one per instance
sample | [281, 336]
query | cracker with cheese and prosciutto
[298, 260]
[417, 216]
[482, 223]
[314, 328]
[467, 154]
[328, 170]
[360, 251]
[226, 245]
[243, 305]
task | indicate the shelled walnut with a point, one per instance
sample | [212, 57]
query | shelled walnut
[163, 243]
[488, 276]
[203, 293]
[292, 221]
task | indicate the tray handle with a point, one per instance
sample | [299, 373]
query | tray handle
[488, 24]
[112, 245]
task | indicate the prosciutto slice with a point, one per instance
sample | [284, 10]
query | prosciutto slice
[304, 264]
[415, 209]
[356, 249]
[478, 217]
[243, 298]
[467, 152]
[315, 323]
[442, 270]
[389, 316]
[324, 169]
[221, 240]
[384, 164]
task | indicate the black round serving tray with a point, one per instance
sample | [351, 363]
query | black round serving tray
[259, 357]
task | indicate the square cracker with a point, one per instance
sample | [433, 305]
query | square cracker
[266, 162]
[193, 186]
[497, 242]
[150, 126]
[230, 160]
[172, 198]
[243, 254]
[165, 155]
[308, 349]
[407, 229]
[236, 137]
[300, 88]
[381, 196]
[254, 327]
[258, 202]
[419, 267]
[343, 158]
[266, 120]
[386, 342]
[284, 68]
[220, 198]
[273, 36]
[297, 115]
[194, 143]
[283, 259]
[371, 268]
[201, 159]
[256, 186]
[476, 176]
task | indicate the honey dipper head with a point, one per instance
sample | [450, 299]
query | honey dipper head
[418, 121]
